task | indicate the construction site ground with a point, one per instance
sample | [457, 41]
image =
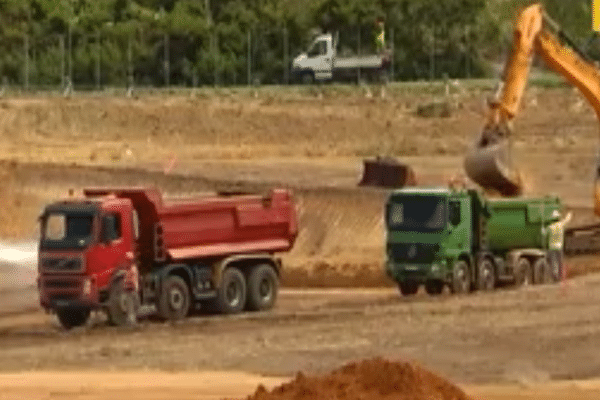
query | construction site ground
[337, 304]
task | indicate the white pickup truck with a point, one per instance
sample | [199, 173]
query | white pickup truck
[322, 63]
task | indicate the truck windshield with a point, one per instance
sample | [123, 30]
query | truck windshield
[62, 230]
[417, 213]
[318, 48]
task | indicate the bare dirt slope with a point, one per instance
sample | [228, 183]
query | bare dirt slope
[313, 144]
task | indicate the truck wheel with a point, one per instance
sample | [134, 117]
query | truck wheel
[434, 287]
[408, 288]
[541, 271]
[72, 317]
[523, 274]
[231, 297]
[486, 279]
[461, 278]
[262, 288]
[123, 305]
[308, 78]
[174, 300]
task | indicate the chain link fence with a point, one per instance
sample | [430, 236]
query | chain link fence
[99, 60]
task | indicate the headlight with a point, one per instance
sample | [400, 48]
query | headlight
[87, 287]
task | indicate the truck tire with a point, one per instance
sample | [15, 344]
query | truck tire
[123, 305]
[174, 300]
[308, 78]
[461, 278]
[408, 288]
[231, 296]
[72, 317]
[486, 277]
[263, 285]
[434, 287]
[541, 271]
[523, 273]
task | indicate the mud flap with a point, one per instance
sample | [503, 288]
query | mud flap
[489, 167]
[387, 173]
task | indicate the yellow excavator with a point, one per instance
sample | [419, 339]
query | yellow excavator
[488, 162]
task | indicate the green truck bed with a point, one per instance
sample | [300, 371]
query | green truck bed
[517, 222]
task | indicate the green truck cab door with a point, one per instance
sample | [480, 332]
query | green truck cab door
[459, 221]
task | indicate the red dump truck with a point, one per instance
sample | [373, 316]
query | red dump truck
[117, 249]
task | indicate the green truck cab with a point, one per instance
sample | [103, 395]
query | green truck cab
[443, 236]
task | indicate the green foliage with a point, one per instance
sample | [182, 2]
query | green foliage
[208, 39]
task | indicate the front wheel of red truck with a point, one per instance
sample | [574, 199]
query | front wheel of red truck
[263, 285]
[72, 317]
[123, 305]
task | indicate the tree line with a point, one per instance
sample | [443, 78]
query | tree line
[195, 42]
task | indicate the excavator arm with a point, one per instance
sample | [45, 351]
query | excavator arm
[488, 163]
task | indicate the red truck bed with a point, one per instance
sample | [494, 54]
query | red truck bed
[211, 226]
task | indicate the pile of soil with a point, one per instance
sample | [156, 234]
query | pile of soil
[367, 380]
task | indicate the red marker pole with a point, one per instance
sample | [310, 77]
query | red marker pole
[171, 163]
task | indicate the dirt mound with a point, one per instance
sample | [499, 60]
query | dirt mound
[370, 379]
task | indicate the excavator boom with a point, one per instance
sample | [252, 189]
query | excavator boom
[488, 163]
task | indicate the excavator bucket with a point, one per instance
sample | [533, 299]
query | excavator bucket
[489, 167]
[387, 173]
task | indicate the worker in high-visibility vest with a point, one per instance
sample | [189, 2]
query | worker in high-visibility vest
[380, 35]
[555, 240]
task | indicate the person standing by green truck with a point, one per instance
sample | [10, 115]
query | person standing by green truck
[555, 235]
[380, 35]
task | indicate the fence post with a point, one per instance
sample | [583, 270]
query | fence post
[70, 54]
[167, 60]
[468, 51]
[249, 61]
[131, 79]
[61, 43]
[393, 66]
[98, 60]
[359, 51]
[216, 58]
[432, 56]
[26, 72]
[286, 56]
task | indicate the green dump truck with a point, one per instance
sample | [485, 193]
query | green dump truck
[441, 236]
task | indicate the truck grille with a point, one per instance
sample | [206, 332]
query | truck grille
[413, 252]
[61, 264]
[61, 284]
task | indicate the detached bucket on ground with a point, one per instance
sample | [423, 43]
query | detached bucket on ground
[387, 173]
[489, 168]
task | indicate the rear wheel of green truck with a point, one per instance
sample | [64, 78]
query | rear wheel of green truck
[72, 317]
[434, 287]
[174, 301]
[523, 273]
[541, 271]
[486, 278]
[461, 278]
[231, 296]
[408, 288]
[262, 288]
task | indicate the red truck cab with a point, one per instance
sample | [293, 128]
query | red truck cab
[118, 248]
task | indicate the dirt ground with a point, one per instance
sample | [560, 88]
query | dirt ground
[532, 343]
[218, 385]
[314, 145]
